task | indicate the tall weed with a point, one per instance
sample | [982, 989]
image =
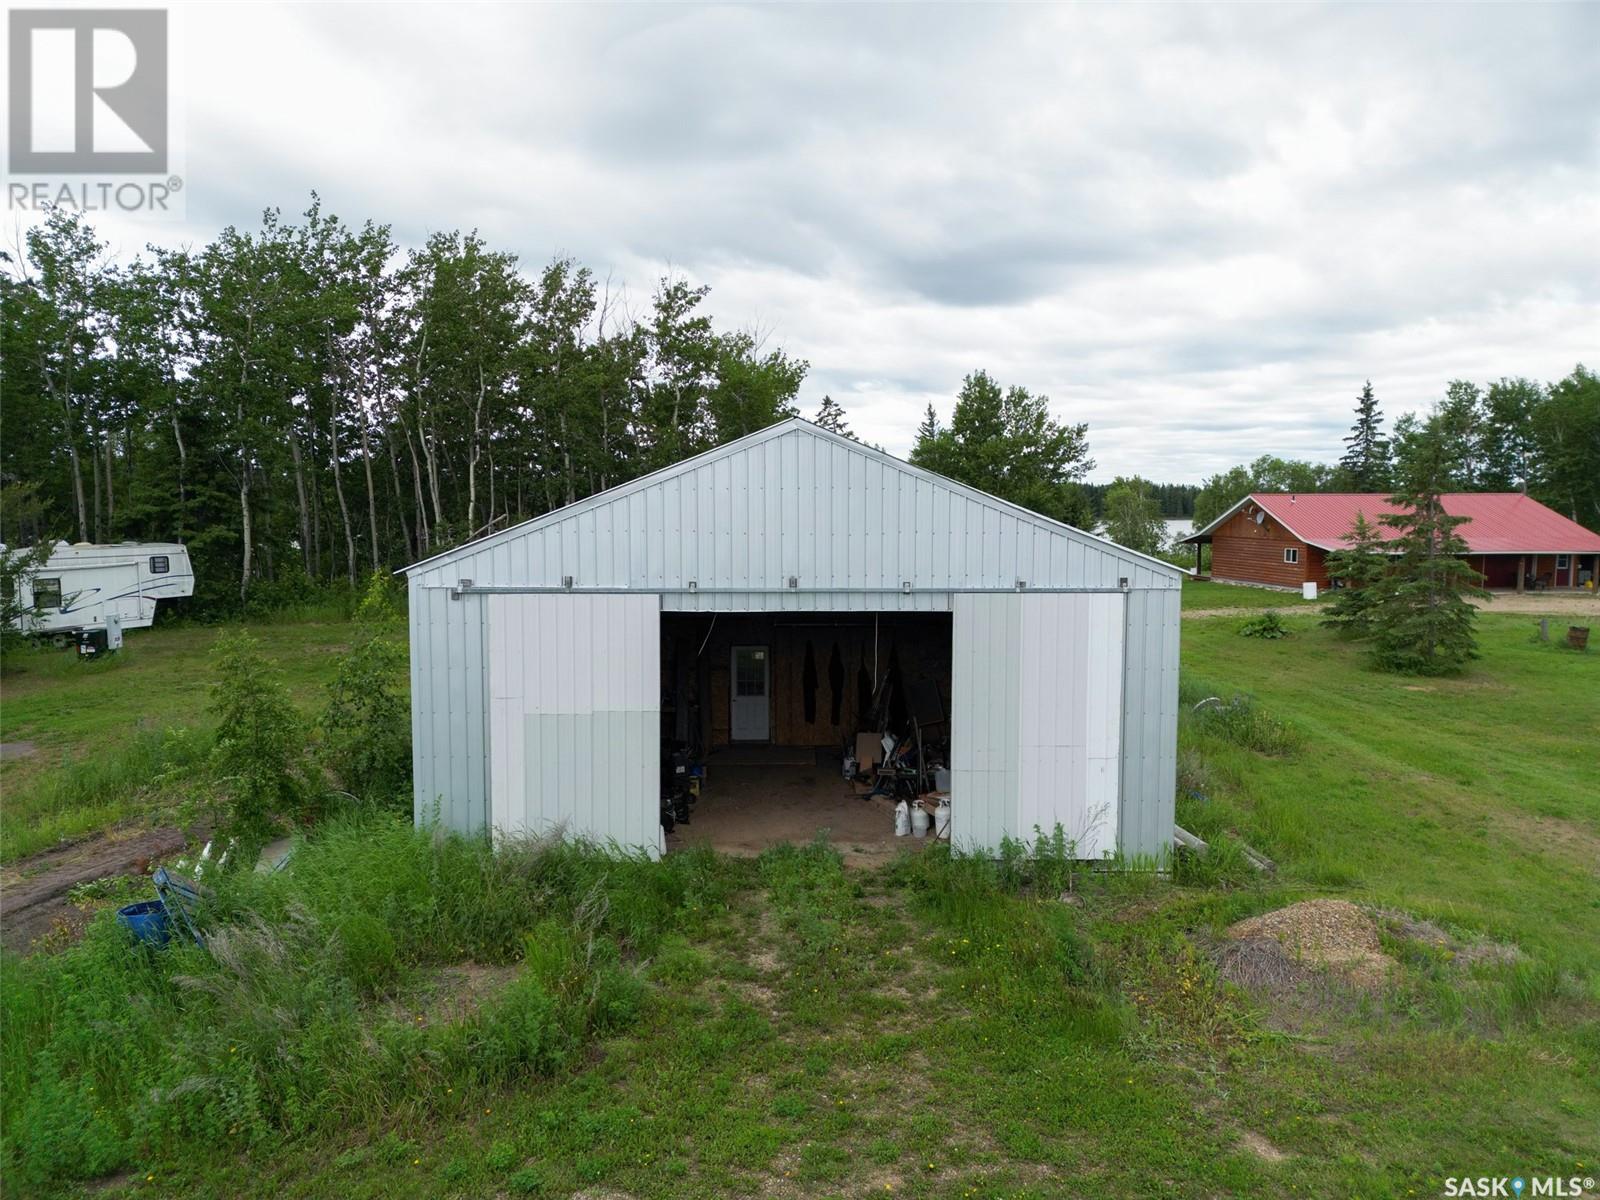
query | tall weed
[286, 1026]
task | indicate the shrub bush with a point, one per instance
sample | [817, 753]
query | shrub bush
[1268, 625]
[260, 745]
[367, 726]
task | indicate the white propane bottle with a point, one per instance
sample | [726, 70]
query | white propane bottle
[920, 821]
[902, 819]
[941, 820]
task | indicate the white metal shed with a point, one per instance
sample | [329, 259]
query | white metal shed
[535, 653]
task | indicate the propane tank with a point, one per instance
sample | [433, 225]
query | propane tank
[941, 820]
[920, 821]
[902, 819]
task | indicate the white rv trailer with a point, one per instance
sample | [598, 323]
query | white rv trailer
[83, 583]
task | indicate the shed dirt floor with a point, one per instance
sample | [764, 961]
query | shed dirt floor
[758, 797]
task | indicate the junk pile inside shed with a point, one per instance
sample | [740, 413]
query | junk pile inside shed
[776, 726]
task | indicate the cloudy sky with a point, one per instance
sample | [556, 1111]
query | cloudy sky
[1196, 228]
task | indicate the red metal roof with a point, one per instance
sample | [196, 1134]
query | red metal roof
[1497, 522]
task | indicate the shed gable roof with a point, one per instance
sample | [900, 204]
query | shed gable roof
[793, 500]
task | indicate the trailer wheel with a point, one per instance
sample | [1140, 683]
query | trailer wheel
[60, 641]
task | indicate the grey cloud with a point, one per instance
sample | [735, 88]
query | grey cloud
[1198, 227]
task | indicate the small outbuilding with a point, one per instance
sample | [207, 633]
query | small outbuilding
[760, 600]
[1283, 540]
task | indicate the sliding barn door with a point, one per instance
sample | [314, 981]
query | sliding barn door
[1036, 731]
[575, 717]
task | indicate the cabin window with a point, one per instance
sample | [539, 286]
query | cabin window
[159, 564]
[1291, 554]
[47, 593]
[1563, 561]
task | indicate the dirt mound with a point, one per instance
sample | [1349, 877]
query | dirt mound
[1324, 933]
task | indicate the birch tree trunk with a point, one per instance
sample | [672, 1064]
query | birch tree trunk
[305, 512]
[372, 492]
[244, 516]
[111, 498]
[473, 453]
[338, 487]
[399, 498]
[424, 537]
[183, 473]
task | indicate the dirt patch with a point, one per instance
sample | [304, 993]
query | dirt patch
[1324, 933]
[1261, 1148]
[1556, 836]
[10, 750]
[1291, 605]
[33, 892]
[1576, 604]
[453, 994]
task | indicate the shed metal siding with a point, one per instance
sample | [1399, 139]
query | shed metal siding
[851, 526]
[1037, 719]
[575, 716]
[1070, 718]
[985, 702]
[1149, 724]
[449, 690]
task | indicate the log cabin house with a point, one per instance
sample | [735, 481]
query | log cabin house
[1281, 540]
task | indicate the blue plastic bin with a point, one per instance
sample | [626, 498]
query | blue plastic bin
[147, 920]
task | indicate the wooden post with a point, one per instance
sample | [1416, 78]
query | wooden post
[1197, 558]
[1522, 571]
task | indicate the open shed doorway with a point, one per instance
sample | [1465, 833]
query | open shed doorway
[763, 715]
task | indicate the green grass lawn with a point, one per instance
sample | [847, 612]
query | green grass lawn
[787, 1027]
[100, 728]
[1208, 594]
[1474, 799]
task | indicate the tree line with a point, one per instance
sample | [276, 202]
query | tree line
[301, 402]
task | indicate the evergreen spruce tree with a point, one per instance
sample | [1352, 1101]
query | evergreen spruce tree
[1366, 465]
[928, 430]
[1424, 624]
[830, 416]
[1361, 570]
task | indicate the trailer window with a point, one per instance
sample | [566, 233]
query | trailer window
[159, 565]
[47, 593]
[1291, 554]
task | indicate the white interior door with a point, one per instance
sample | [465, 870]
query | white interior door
[575, 716]
[752, 683]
